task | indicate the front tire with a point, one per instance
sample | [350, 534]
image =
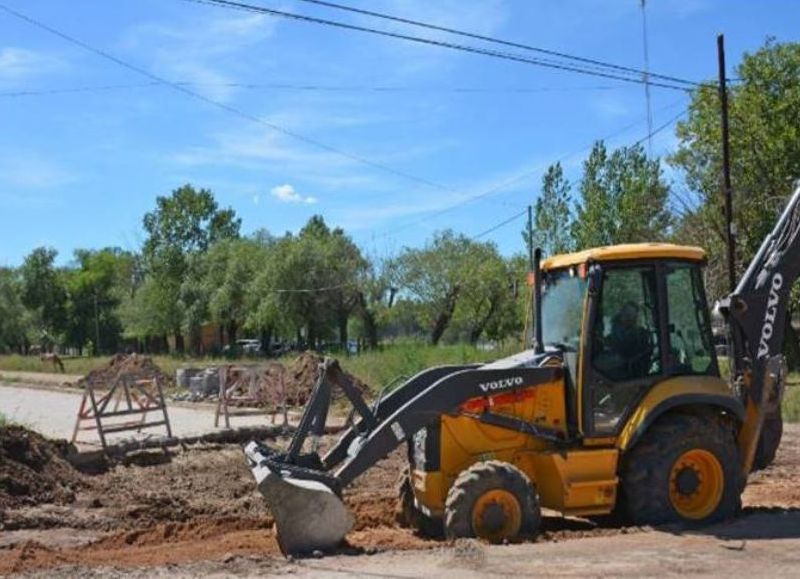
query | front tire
[491, 500]
[686, 468]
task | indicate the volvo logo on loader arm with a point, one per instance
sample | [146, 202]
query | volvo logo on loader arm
[769, 316]
[503, 384]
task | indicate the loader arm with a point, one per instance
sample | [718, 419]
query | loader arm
[756, 314]
[304, 490]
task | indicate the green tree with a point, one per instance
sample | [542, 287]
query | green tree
[552, 218]
[183, 225]
[623, 199]
[450, 269]
[231, 266]
[310, 283]
[487, 292]
[15, 320]
[96, 287]
[45, 294]
[764, 110]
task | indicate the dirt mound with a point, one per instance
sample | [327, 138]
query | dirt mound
[304, 372]
[275, 384]
[33, 470]
[125, 367]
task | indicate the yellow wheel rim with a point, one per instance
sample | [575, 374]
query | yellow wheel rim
[496, 516]
[696, 483]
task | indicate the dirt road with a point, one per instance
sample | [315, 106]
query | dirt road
[52, 412]
[197, 512]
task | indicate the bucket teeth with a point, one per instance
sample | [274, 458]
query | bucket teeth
[308, 515]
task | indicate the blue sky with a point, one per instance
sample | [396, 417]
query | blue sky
[79, 169]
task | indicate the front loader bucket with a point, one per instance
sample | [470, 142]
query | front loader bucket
[308, 515]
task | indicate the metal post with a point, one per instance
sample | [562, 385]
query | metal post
[646, 79]
[531, 335]
[530, 237]
[96, 327]
[730, 228]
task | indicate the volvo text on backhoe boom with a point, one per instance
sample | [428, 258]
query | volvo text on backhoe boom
[620, 405]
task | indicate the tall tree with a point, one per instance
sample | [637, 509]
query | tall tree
[96, 286]
[552, 217]
[45, 294]
[447, 271]
[15, 320]
[765, 159]
[623, 199]
[487, 291]
[184, 224]
[311, 283]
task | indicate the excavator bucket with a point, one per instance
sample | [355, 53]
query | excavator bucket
[309, 516]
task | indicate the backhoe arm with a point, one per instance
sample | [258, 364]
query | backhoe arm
[756, 313]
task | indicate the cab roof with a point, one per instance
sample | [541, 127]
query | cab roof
[625, 251]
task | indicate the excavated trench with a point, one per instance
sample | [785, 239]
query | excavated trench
[200, 504]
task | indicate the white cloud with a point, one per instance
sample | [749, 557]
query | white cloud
[287, 194]
[199, 50]
[20, 64]
[31, 171]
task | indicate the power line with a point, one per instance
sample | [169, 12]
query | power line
[220, 105]
[499, 225]
[464, 48]
[492, 39]
[308, 87]
[499, 187]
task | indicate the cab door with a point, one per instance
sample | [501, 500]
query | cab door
[625, 353]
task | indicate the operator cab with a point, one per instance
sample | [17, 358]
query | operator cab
[625, 318]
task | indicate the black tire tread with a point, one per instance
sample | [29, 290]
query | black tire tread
[769, 441]
[476, 480]
[646, 467]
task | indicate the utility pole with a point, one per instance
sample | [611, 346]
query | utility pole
[646, 79]
[730, 227]
[96, 327]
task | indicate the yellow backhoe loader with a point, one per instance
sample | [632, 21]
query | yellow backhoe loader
[618, 406]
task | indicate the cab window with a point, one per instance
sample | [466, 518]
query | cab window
[690, 348]
[626, 344]
[626, 337]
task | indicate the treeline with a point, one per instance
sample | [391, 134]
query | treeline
[196, 273]
[312, 288]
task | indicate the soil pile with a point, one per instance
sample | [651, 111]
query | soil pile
[130, 367]
[277, 384]
[304, 373]
[33, 470]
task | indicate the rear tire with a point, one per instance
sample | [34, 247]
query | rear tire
[492, 500]
[769, 441]
[686, 468]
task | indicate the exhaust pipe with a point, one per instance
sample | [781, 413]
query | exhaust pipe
[538, 341]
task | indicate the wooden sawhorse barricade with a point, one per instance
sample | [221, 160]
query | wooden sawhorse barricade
[251, 390]
[137, 398]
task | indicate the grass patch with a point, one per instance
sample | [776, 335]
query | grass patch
[791, 399]
[82, 366]
[380, 367]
